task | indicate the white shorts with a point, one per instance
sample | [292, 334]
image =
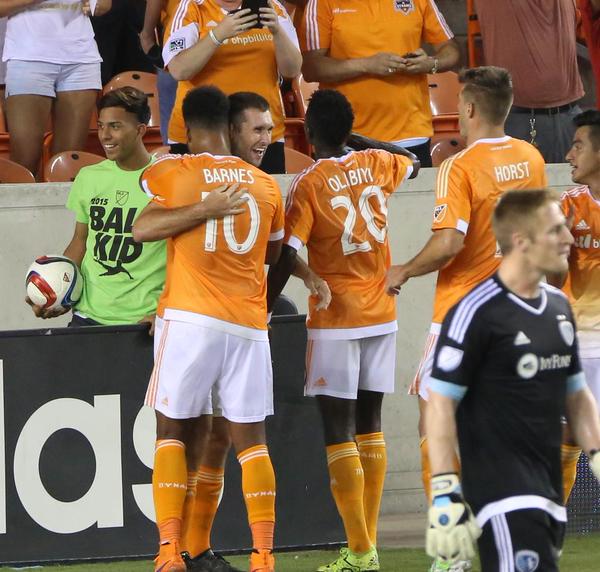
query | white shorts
[419, 386]
[191, 361]
[44, 78]
[339, 368]
[591, 369]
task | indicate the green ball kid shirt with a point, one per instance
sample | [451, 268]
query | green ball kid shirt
[122, 279]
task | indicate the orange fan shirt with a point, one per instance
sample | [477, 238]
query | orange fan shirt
[245, 62]
[215, 271]
[338, 209]
[468, 187]
[388, 108]
[583, 284]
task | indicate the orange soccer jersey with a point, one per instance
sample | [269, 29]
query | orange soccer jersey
[245, 62]
[216, 270]
[388, 108]
[337, 208]
[584, 262]
[468, 187]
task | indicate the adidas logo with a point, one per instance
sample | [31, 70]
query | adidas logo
[165, 401]
[521, 339]
[320, 382]
[582, 225]
[211, 24]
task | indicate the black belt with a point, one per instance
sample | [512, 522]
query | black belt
[543, 110]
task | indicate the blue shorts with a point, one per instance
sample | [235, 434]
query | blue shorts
[44, 78]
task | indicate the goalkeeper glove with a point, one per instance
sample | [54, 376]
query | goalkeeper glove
[594, 462]
[453, 529]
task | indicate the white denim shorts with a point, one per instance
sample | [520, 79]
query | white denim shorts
[44, 78]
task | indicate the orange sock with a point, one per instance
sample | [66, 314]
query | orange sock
[169, 485]
[569, 455]
[348, 487]
[425, 468]
[197, 524]
[258, 486]
[373, 458]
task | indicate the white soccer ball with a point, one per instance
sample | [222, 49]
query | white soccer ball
[54, 281]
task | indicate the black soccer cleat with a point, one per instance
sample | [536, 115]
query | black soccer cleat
[208, 561]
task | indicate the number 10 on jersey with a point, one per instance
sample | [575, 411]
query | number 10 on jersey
[211, 228]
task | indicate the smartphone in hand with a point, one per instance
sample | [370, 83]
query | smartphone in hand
[255, 6]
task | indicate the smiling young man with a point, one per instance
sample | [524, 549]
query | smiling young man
[250, 126]
[123, 279]
[506, 369]
[582, 207]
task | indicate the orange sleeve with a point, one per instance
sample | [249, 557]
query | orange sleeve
[299, 214]
[401, 169]
[159, 181]
[435, 28]
[315, 31]
[452, 198]
[278, 222]
[566, 204]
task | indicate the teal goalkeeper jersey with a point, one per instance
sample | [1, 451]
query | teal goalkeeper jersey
[122, 278]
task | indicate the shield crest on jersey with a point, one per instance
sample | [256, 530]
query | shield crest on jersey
[404, 6]
[527, 560]
[122, 197]
[567, 331]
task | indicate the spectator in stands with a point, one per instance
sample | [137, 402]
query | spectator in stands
[371, 52]
[158, 15]
[590, 23]
[536, 43]
[53, 67]
[234, 55]
[117, 38]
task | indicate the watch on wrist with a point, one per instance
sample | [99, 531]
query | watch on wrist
[434, 69]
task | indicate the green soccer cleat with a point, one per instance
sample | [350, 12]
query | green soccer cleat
[349, 561]
[439, 565]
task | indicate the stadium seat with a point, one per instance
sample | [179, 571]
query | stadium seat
[295, 162]
[5, 145]
[445, 147]
[64, 166]
[152, 140]
[145, 82]
[296, 99]
[295, 137]
[284, 306]
[443, 96]
[474, 44]
[3, 124]
[11, 172]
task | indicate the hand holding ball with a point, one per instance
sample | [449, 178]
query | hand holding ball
[54, 284]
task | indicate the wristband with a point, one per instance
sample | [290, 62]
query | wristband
[434, 69]
[215, 40]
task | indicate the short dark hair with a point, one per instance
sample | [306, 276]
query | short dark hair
[128, 98]
[329, 117]
[242, 100]
[490, 88]
[206, 106]
[516, 210]
[591, 119]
